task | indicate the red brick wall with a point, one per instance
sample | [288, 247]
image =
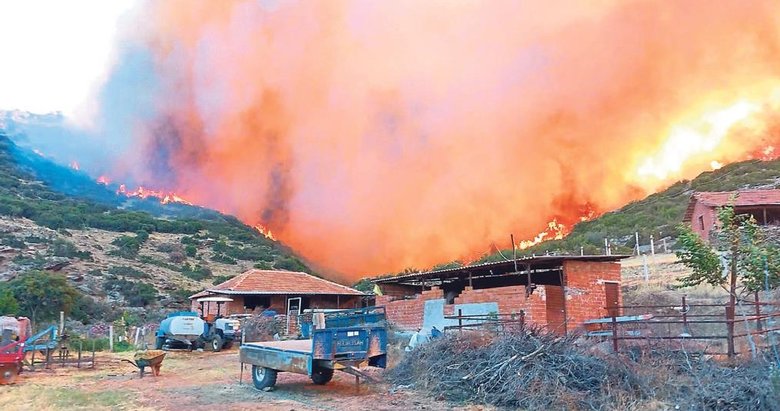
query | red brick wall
[709, 216]
[585, 295]
[397, 290]
[407, 314]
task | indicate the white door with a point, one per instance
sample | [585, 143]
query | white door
[293, 308]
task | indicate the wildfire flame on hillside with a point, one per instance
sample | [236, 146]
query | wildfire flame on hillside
[369, 149]
[143, 192]
[554, 231]
[264, 231]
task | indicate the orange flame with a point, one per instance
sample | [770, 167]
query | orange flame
[264, 231]
[554, 231]
[143, 192]
[103, 180]
[74, 165]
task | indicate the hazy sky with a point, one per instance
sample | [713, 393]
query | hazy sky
[55, 52]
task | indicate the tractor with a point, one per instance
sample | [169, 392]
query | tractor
[187, 329]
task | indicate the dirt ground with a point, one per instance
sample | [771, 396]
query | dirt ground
[199, 381]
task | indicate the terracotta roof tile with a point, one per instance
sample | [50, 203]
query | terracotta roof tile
[280, 282]
[745, 198]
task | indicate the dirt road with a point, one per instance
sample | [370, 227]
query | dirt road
[198, 381]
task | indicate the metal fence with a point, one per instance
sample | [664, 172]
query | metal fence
[713, 329]
[491, 322]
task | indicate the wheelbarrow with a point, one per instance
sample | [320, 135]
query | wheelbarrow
[150, 358]
[11, 357]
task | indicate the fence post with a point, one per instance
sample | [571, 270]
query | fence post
[759, 326]
[685, 315]
[730, 328]
[460, 320]
[78, 363]
[111, 338]
[614, 333]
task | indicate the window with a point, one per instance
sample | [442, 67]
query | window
[701, 222]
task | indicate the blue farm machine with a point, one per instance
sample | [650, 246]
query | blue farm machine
[187, 329]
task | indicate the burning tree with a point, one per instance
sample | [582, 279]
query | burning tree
[740, 259]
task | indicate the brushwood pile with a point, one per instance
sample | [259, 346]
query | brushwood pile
[531, 369]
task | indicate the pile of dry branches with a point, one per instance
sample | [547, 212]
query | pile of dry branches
[534, 370]
[262, 328]
[690, 381]
[527, 369]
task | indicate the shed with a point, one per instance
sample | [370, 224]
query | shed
[763, 205]
[558, 292]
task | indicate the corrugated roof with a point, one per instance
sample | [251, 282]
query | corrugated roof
[279, 282]
[535, 261]
[744, 198]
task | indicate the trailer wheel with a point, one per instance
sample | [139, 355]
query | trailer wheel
[263, 377]
[216, 343]
[159, 342]
[322, 376]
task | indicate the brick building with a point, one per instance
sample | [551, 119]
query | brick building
[702, 212]
[282, 291]
[558, 292]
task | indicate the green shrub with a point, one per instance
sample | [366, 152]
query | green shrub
[13, 242]
[87, 344]
[221, 279]
[129, 246]
[64, 248]
[190, 250]
[197, 273]
[88, 310]
[221, 258]
[135, 294]
[126, 271]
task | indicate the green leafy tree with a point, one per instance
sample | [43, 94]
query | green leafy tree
[8, 304]
[740, 259]
[42, 295]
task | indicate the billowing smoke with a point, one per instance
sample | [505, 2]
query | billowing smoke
[377, 135]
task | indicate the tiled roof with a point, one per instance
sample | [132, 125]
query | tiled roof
[280, 282]
[745, 198]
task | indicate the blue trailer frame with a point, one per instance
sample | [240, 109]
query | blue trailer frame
[350, 340]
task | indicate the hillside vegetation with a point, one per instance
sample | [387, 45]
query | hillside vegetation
[658, 214]
[57, 219]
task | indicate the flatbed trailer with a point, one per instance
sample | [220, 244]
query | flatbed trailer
[351, 339]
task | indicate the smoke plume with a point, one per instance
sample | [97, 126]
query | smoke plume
[377, 135]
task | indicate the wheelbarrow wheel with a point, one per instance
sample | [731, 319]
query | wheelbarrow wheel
[263, 377]
[322, 376]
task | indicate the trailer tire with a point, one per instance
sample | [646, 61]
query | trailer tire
[263, 377]
[159, 342]
[216, 344]
[322, 376]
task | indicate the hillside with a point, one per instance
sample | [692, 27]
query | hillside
[120, 251]
[658, 214]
